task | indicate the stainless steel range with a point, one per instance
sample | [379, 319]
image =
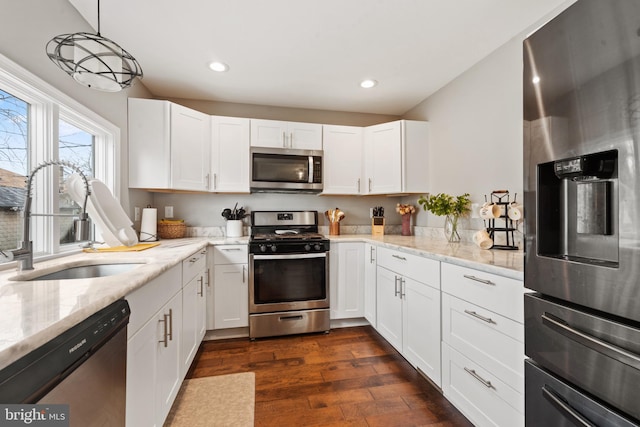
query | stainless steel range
[288, 274]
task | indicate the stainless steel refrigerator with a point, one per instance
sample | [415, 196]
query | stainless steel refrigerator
[582, 202]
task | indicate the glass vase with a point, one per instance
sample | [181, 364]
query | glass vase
[406, 225]
[451, 228]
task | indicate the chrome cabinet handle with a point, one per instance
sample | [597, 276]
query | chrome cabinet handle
[369, 185]
[402, 287]
[477, 316]
[201, 280]
[243, 270]
[371, 252]
[284, 140]
[399, 257]
[358, 185]
[208, 184]
[231, 249]
[170, 324]
[164, 340]
[291, 140]
[208, 277]
[215, 180]
[620, 354]
[194, 259]
[564, 408]
[477, 279]
[203, 252]
[395, 286]
[484, 382]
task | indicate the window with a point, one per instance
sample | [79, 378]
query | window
[38, 124]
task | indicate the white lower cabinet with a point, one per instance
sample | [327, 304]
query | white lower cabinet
[230, 286]
[194, 305]
[346, 269]
[153, 349]
[483, 345]
[408, 308]
[370, 288]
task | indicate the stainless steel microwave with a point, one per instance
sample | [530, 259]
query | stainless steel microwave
[286, 170]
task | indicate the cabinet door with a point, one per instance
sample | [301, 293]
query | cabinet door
[190, 149]
[149, 143]
[141, 376]
[169, 366]
[304, 136]
[268, 133]
[342, 147]
[230, 155]
[347, 293]
[193, 298]
[421, 331]
[231, 296]
[370, 283]
[383, 158]
[389, 307]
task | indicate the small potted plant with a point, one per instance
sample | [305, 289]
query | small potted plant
[452, 208]
[234, 219]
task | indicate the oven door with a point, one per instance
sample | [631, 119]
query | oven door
[288, 282]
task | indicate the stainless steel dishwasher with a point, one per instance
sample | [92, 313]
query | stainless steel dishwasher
[85, 368]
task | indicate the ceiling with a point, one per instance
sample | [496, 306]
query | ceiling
[311, 53]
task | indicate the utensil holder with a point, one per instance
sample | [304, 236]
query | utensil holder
[234, 228]
[334, 229]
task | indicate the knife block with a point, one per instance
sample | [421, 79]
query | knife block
[377, 226]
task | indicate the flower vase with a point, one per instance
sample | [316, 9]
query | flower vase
[406, 225]
[451, 228]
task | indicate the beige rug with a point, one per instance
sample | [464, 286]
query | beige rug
[220, 401]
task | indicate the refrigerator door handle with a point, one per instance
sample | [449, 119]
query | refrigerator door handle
[610, 350]
[561, 405]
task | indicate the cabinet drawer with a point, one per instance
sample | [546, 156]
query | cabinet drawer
[193, 265]
[493, 341]
[150, 298]
[422, 269]
[230, 254]
[478, 394]
[496, 293]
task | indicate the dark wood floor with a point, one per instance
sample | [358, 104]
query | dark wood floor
[349, 377]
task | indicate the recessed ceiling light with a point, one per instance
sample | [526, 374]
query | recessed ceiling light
[220, 67]
[367, 84]
[535, 80]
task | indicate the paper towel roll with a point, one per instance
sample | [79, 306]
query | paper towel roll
[149, 225]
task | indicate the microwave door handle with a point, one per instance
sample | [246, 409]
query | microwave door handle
[311, 174]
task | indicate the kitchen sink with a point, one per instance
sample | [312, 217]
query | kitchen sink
[80, 272]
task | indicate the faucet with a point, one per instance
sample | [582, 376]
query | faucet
[24, 253]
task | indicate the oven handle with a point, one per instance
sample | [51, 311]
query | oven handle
[599, 345]
[290, 256]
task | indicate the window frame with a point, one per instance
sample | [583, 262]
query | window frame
[47, 106]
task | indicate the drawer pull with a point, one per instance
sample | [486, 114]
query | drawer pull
[566, 409]
[294, 317]
[371, 252]
[395, 285]
[477, 279]
[484, 382]
[193, 259]
[231, 249]
[477, 316]
[201, 280]
[399, 257]
[596, 344]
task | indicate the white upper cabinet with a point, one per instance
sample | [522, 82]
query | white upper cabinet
[229, 155]
[342, 159]
[279, 134]
[395, 157]
[169, 146]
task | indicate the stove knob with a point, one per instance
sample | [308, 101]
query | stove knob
[307, 247]
[273, 248]
[317, 246]
[263, 248]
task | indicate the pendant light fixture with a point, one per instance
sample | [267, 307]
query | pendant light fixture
[94, 61]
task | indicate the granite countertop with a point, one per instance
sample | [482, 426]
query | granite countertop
[507, 263]
[34, 312]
